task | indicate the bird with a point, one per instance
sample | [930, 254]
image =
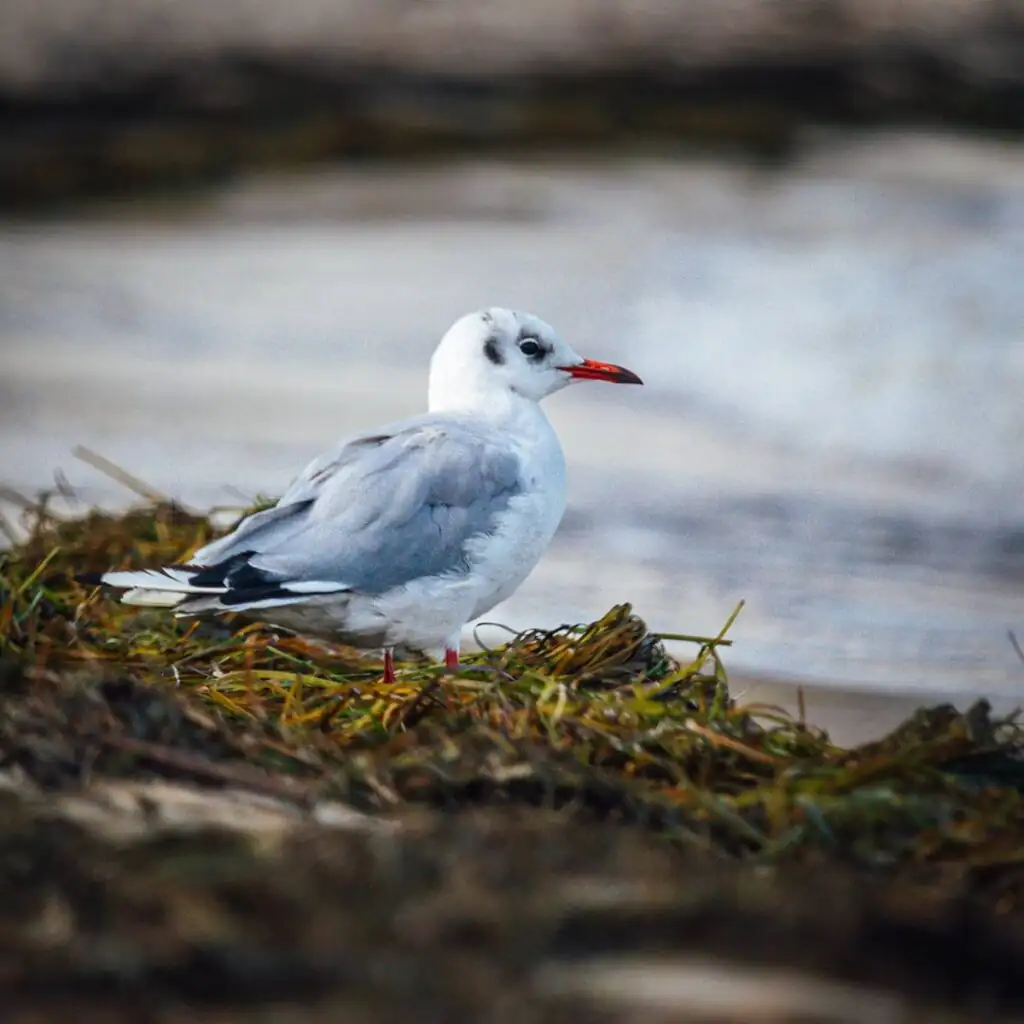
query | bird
[403, 534]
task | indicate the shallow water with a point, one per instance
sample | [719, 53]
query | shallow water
[834, 357]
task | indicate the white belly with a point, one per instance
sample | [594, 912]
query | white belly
[426, 613]
[507, 558]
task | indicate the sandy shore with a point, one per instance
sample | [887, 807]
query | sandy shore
[105, 97]
[852, 715]
[472, 40]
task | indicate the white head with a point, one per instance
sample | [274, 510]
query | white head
[496, 353]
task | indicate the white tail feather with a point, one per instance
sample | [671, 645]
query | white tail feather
[152, 598]
[167, 588]
[174, 580]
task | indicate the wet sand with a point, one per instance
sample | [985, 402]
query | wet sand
[855, 715]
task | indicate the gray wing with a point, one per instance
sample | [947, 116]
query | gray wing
[383, 510]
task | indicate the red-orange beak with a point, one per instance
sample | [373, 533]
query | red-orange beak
[591, 369]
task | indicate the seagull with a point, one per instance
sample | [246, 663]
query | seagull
[405, 533]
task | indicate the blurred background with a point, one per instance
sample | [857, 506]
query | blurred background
[232, 233]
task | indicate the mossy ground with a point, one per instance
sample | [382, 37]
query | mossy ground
[615, 745]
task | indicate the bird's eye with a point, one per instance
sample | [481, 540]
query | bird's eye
[529, 347]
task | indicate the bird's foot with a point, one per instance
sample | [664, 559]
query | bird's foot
[451, 658]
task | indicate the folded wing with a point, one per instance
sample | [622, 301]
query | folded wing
[381, 511]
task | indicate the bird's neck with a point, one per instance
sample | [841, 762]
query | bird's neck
[521, 419]
[499, 405]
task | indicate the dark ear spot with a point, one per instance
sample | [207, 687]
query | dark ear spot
[493, 352]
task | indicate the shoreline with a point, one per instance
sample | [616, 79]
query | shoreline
[853, 715]
[165, 96]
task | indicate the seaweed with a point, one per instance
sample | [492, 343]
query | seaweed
[520, 839]
[597, 721]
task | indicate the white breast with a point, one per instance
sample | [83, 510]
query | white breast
[503, 560]
[423, 611]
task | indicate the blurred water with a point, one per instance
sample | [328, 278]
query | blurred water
[834, 354]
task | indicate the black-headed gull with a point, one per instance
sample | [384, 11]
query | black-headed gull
[404, 534]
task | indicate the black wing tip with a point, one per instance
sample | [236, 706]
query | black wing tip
[232, 572]
[89, 579]
[268, 592]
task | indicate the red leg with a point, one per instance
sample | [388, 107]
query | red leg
[451, 658]
[389, 666]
